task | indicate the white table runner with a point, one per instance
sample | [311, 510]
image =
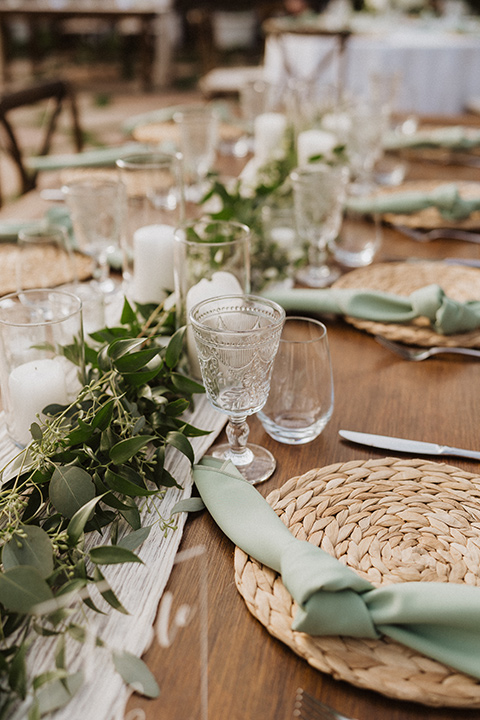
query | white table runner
[138, 587]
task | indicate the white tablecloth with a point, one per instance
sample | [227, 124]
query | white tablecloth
[440, 71]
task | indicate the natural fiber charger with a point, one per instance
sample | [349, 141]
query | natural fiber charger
[391, 521]
[457, 281]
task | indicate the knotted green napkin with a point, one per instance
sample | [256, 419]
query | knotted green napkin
[446, 316]
[445, 198]
[101, 157]
[440, 620]
[452, 138]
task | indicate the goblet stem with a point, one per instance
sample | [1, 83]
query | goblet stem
[237, 432]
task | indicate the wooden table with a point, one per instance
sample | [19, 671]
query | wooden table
[253, 676]
[154, 48]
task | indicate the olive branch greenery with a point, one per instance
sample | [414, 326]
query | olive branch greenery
[90, 470]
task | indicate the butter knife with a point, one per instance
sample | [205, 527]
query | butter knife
[407, 446]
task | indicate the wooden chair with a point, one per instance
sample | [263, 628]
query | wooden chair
[58, 92]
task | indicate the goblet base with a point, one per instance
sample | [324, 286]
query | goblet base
[317, 277]
[260, 467]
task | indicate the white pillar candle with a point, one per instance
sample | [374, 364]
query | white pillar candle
[268, 134]
[222, 283]
[311, 143]
[31, 387]
[152, 263]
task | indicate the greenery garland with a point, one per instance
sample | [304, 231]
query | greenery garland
[88, 469]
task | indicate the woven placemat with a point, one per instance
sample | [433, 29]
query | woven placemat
[42, 268]
[458, 282]
[391, 521]
[430, 218]
[168, 132]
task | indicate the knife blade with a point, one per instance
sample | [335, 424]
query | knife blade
[404, 445]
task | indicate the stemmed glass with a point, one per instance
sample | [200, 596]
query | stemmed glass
[318, 196]
[237, 338]
[97, 207]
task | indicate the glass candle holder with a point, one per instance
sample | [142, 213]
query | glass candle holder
[211, 258]
[41, 356]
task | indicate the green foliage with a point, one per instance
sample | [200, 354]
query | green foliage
[92, 465]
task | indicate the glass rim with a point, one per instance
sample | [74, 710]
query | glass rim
[6, 299]
[308, 170]
[92, 182]
[147, 159]
[277, 322]
[312, 321]
[246, 230]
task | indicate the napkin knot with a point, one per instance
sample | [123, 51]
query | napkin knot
[446, 315]
[329, 594]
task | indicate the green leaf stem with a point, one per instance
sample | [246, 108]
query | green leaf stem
[93, 468]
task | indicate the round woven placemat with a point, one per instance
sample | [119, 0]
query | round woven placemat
[430, 218]
[43, 268]
[391, 521]
[458, 282]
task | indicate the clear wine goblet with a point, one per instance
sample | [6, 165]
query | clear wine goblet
[318, 197]
[237, 338]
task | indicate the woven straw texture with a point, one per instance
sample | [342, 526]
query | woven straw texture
[391, 521]
[459, 282]
[44, 268]
[430, 218]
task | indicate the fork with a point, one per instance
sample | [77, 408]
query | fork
[437, 234]
[308, 707]
[416, 354]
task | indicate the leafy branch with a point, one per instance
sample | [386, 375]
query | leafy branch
[89, 470]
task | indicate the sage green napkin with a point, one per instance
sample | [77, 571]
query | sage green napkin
[451, 138]
[446, 316]
[445, 198]
[440, 620]
[101, 157]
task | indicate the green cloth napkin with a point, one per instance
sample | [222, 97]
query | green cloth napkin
[452, 138]
[102, 157]
[440, 620]
[446, 198]
[446, 316]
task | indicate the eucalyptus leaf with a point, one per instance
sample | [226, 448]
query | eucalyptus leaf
[122, 485]
[58, 693]
[112, 555]
[23, 587]
[179, 441]
[119, 348]
[126, 449]
[70, 489]
[136, 674]
[77, 523]
[193, 504]
[107, 593]
[135, 538]
[174, 348]
[138, 360]
[185, 384]
[17, 676]
[29, 546]
[103, 417]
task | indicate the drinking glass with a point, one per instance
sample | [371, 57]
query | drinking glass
[364, 139]
[300, 401]
[237, 338]
[45, 257]
[198, 127]
[211, 258]
[360, 236]
[318, 196]
[97, 207]
[41, 355]
[155, 207]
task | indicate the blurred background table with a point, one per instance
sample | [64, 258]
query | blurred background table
[438, 64]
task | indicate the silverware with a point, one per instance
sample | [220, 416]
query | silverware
[308, 707]
[438, 234]
[416, 354]
[417, 447]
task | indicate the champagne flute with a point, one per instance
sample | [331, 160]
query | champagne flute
[237, 338]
